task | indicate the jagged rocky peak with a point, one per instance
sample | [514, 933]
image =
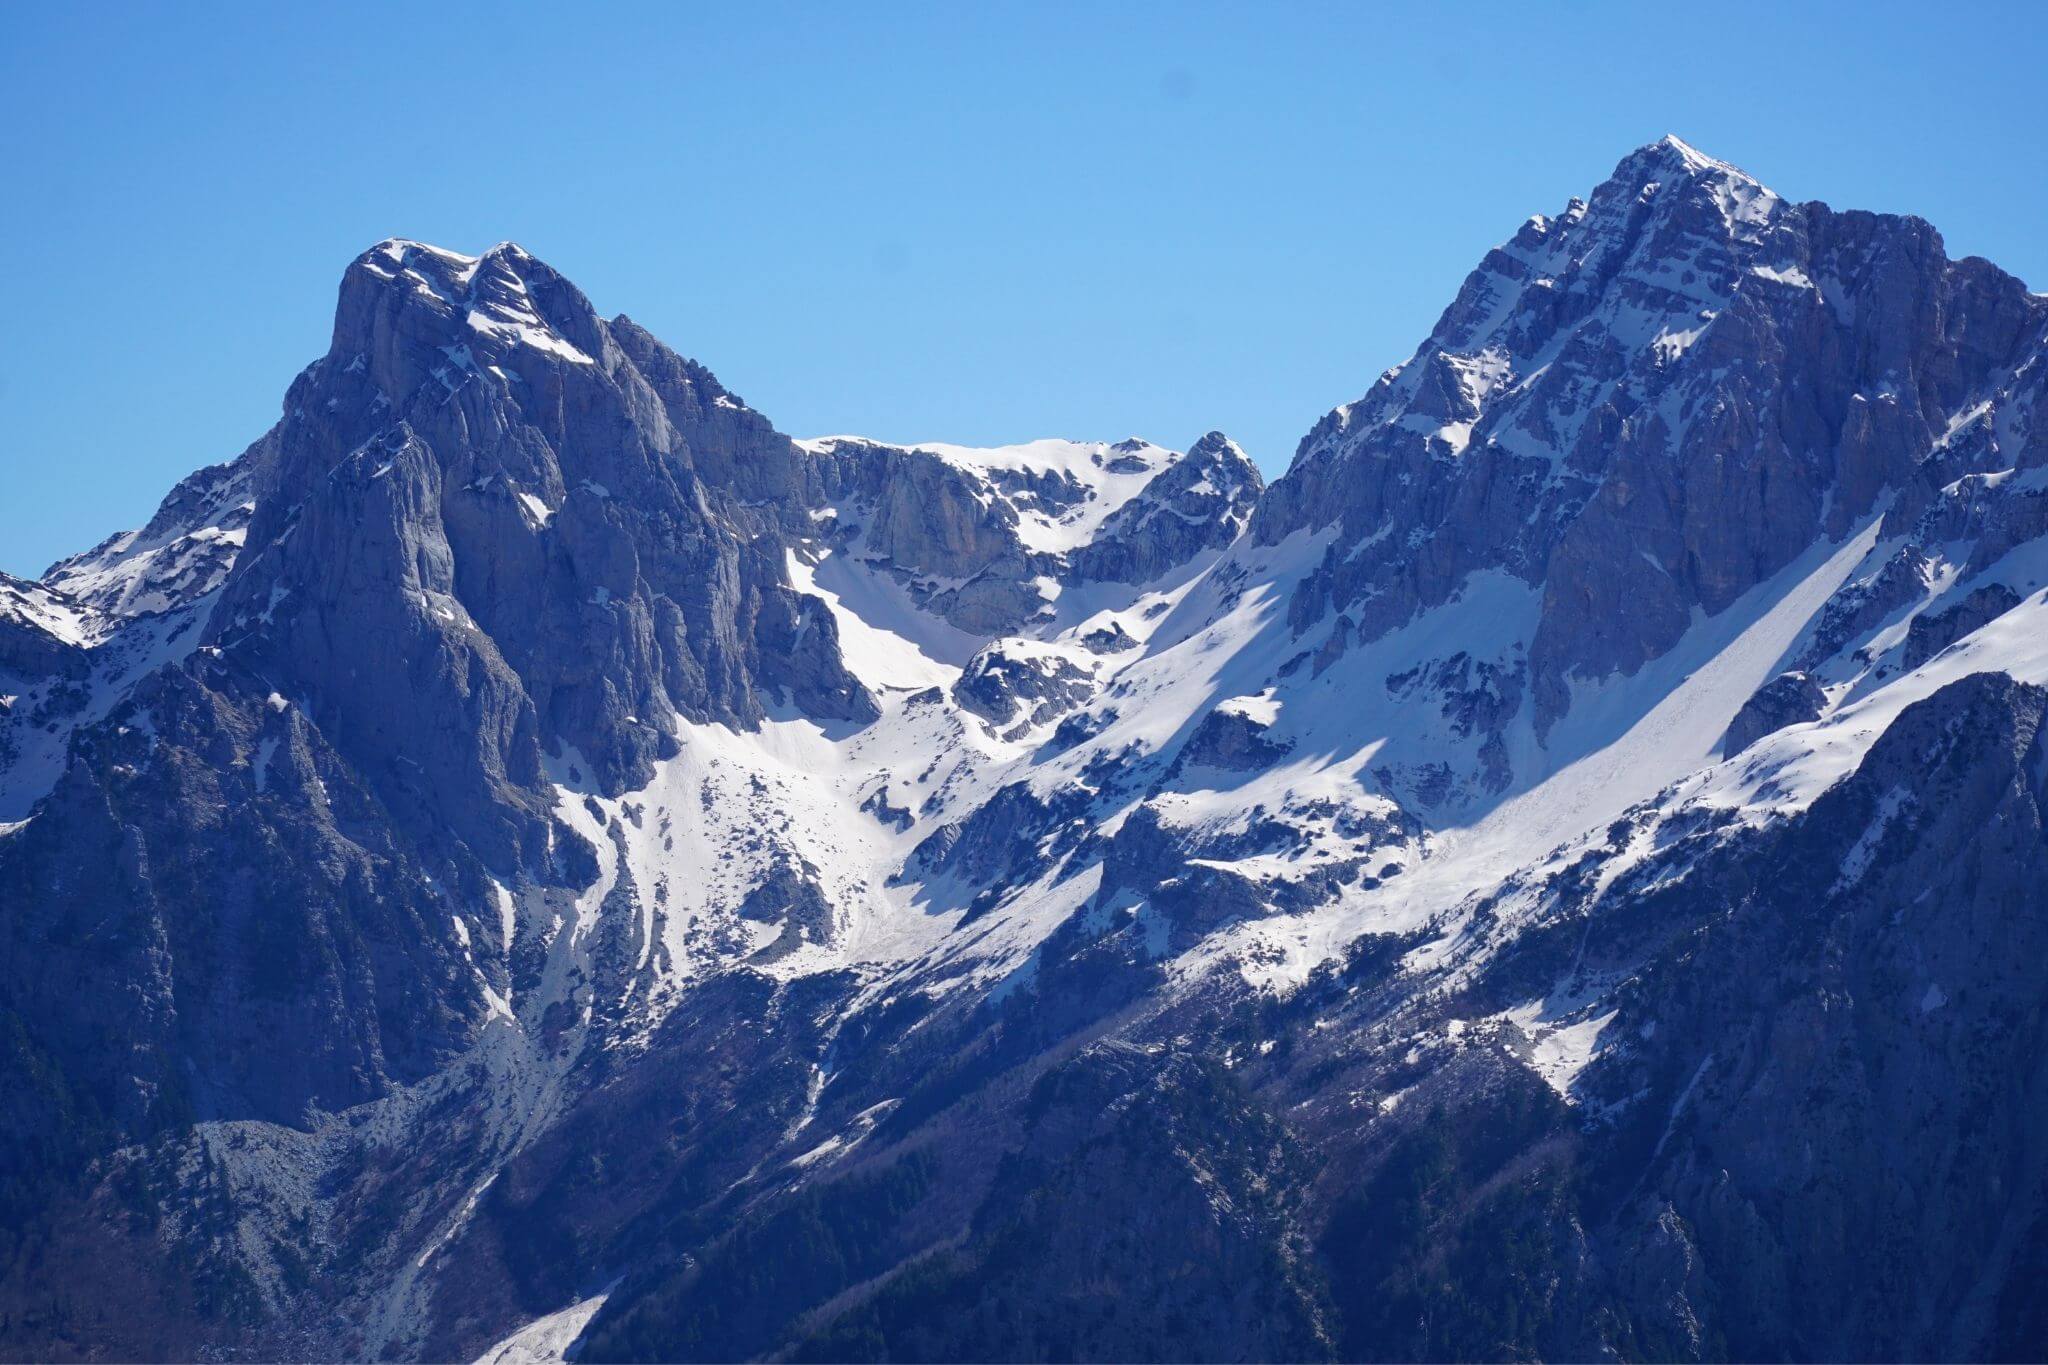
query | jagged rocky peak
[1199, 502]
[1647, 406]
[410, 313]
[572, 522]
[1217, 450]
[395, 292]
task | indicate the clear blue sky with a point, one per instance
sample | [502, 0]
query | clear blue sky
[916, 222]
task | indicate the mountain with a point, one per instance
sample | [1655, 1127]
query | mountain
[527, 858]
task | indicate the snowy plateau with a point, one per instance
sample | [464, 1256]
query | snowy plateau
[528, 862]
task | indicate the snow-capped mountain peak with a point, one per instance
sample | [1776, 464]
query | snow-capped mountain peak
[571, 858]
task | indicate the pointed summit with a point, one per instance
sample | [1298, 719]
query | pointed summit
[1672, 156]
[1717, 197]
[1212, 444]
[1671, 145]
[1223, 463]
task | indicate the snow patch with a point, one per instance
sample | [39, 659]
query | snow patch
[546, 1341]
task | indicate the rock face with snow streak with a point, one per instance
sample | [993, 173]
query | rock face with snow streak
[1199, 502]
[182, 555]
[42, 632]
[528, 852]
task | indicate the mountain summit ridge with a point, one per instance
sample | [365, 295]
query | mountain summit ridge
[528, 852]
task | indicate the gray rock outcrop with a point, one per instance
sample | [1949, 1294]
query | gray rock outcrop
[1788, 699]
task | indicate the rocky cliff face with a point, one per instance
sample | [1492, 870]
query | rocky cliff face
[1200, 502]
[988, 538]
[529, 855]
[575, 535]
